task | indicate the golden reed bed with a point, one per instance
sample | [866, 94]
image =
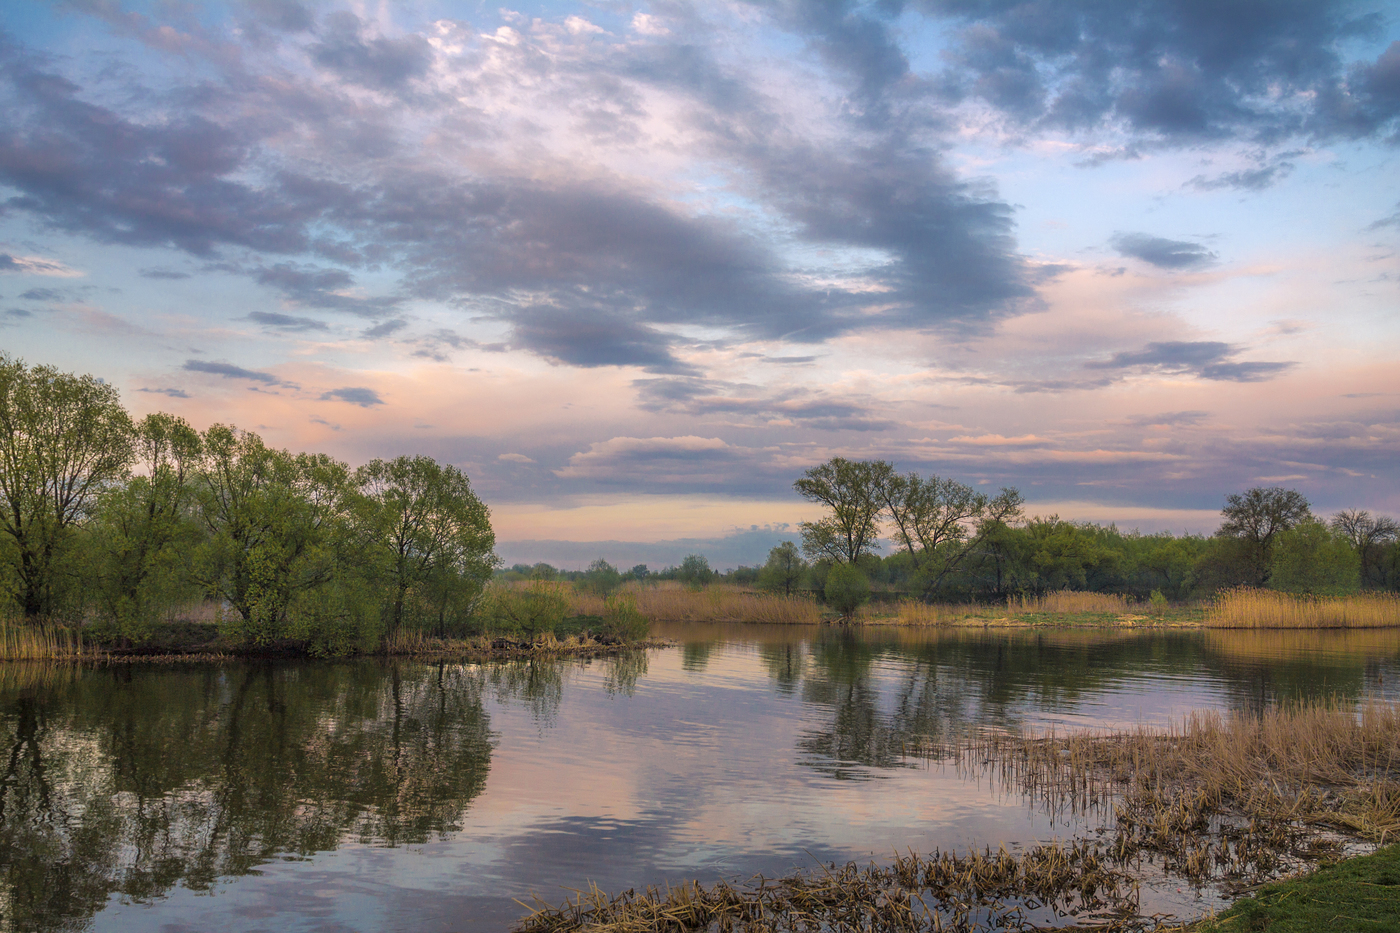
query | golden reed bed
[1253, 608]
[672, 602]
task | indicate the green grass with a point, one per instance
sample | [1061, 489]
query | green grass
[1358, 895]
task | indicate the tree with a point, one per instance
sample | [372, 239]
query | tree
[694, 571]
[852, 491]
[784, 570]
[143, 528]
[1313, 559]
[602, 578]
[431, 530]
[1368, 536]
[1257, 517]
[273, 519]
[846, 589]
[63, 438]
[933, 519]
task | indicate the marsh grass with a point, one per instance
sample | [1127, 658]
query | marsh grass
[1067, 602]
[1062, 605]
[673, 602]
[1246, 607]
[21, 641]
[913, 894]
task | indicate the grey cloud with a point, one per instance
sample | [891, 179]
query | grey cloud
[42, 294]
[595, 339]
[1247, 180]
[1244, 372]
[1172, 71]
[173, 393]
[229, 371]
[385, 328]
[355, 395]
[163, 274]
[379, 62]
[1206, 358]
[319, 287]
[1392, 221]
[9, 264]
[284, 15]
[701, 397]
[1169, 419]
[19, 312]
[1162, 253]
[285, 321]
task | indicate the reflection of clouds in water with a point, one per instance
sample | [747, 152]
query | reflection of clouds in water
[653, 768]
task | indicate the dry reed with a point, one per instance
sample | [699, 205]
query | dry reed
[914, 894]
[20, 641]
[672, 602]
[1246, 607]
[1066, 602]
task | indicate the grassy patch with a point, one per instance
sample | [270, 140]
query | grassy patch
[1351, 896]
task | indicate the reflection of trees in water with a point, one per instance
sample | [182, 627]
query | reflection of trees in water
[884, 689]
[130, 781]
[621, 672]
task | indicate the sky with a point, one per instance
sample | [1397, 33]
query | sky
[636, 266]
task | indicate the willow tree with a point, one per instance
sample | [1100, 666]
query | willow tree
[63, 438]
[431, 533]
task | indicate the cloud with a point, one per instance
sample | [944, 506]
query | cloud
[1171, 73]
[355, 395]
[168, 274]
[228, 371]
[688, 461]
[702, 397]
[1208, 359]
[515, 458]
[285, 321]
[1162, 253]
[1246, 180]
[43, 294]
[385, 328]
[36, 265]
[1169, 419]
[173, 393]
[377, 62]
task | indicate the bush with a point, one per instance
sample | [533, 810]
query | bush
[846, 589]
[1311, 559]
[622, 619]
[536, 610]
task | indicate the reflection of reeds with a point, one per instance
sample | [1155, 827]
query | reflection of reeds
[1252, 645]
[23, 642]
[1246, 607]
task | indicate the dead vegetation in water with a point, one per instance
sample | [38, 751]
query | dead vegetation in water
[941, 893]
[1224, 800]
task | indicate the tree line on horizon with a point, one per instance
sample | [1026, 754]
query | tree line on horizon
[117, 523]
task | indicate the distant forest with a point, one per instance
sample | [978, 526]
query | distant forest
[947, 542]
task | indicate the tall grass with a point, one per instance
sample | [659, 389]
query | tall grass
[1067, 602]
[1246, 607]
[20, 641]
[670, 601]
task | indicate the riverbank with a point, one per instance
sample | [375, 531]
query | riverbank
[1213, 804]
[189, 641]
[1353, 895]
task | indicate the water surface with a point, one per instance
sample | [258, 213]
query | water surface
[375, 795]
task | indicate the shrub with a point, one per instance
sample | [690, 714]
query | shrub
[846, 589]
[622, 619]
[535, 610]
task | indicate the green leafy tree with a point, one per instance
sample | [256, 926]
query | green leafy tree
[784, 571]
[274, 523]
[602, 578]
[941, 522]
[63, 439]
[1257, 517]
[851, 490]
[1369, 536]
[143, 529]
[430, 532]
[1311, 558]
[846, 589]
[694, 571]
